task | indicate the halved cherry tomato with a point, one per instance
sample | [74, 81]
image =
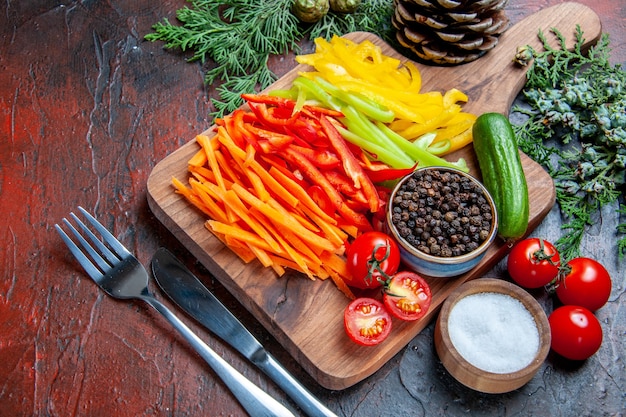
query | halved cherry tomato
[366, 321]
[371, 258]
[576, 332]
[533, 263]
[586, 283]
[407, 296]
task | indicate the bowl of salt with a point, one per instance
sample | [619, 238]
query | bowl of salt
[491, 335]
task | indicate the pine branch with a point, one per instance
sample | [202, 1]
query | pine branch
[237, 37]
[577, 103]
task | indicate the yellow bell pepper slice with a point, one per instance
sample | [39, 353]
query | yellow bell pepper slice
[451, 130]
[454, 96]
[362, 68]
[460, 140]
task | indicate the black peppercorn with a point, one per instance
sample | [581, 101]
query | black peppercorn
[441, 213]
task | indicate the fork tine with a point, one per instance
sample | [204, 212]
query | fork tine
[83, 260]
[108, 237]
[96, 256]
[100, 261]
[110, 256]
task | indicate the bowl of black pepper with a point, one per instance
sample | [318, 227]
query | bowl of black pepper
[443, 220]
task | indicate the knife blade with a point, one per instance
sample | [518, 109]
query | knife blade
[186, 290]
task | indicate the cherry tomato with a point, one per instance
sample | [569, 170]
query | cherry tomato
[368, 255]
[586, 283]
[576, 332]
[366, 321]
[533, 263]
[407, 296]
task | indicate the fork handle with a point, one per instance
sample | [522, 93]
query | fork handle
[256, 401]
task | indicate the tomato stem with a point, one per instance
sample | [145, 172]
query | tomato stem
[541, 255]
[373, 264]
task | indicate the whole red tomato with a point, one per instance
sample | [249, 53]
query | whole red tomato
[576, 332]
[371, 258]
[586, 283]
[366, 321]
[407, 296]
[533, 262]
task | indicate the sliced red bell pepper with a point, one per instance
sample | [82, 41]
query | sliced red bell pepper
[316, 112]
[265, 146]
[269, 119]
[351, 165]
[380, 172]
[276, 139]
[238, 131]
[311, 172]
[321, 199]
[283, 113]
[344, 185]
[269, 100]
[250, 117]
[281, 165]
[384, 193]
[379, 221]
[358, 203]
[322, 158]
[308, 132]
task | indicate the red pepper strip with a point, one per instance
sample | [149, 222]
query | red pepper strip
[249, 117]
[282, 113]
[270, 100]
[321, 199]
[379, 222]
[290, 104]
[384, 193]
[358, 205]
[351, 165]
[358, 152]
[268, 119]
[315, 176]
[276, 139]
[266, 147]
[238, 130]
[345, 186]
[315, 112]
[379, 172]
[308, 133]
[322, 158]
[281, 165]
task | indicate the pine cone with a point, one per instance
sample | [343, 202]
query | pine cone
[449, 32]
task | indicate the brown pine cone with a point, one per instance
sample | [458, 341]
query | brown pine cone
[449, 32]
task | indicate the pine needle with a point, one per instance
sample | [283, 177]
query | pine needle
[236, 38]
[577, 102]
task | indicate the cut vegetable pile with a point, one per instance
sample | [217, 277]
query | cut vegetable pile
[284, 187]
[362, 69]
[289, 179]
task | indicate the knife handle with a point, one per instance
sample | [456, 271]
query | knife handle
[256, 401]
[294, 389]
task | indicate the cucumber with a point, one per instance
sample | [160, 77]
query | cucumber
[502, 174]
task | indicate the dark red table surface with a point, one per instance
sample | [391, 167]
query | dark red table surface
[87, 108]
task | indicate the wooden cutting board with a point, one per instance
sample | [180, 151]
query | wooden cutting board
[306, 316]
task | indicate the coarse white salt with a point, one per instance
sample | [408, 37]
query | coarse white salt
[493, 332]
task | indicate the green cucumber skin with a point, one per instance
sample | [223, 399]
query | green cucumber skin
[502, 173]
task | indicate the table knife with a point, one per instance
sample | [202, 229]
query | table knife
[186, 290]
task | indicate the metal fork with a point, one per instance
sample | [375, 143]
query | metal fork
[120, 275]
